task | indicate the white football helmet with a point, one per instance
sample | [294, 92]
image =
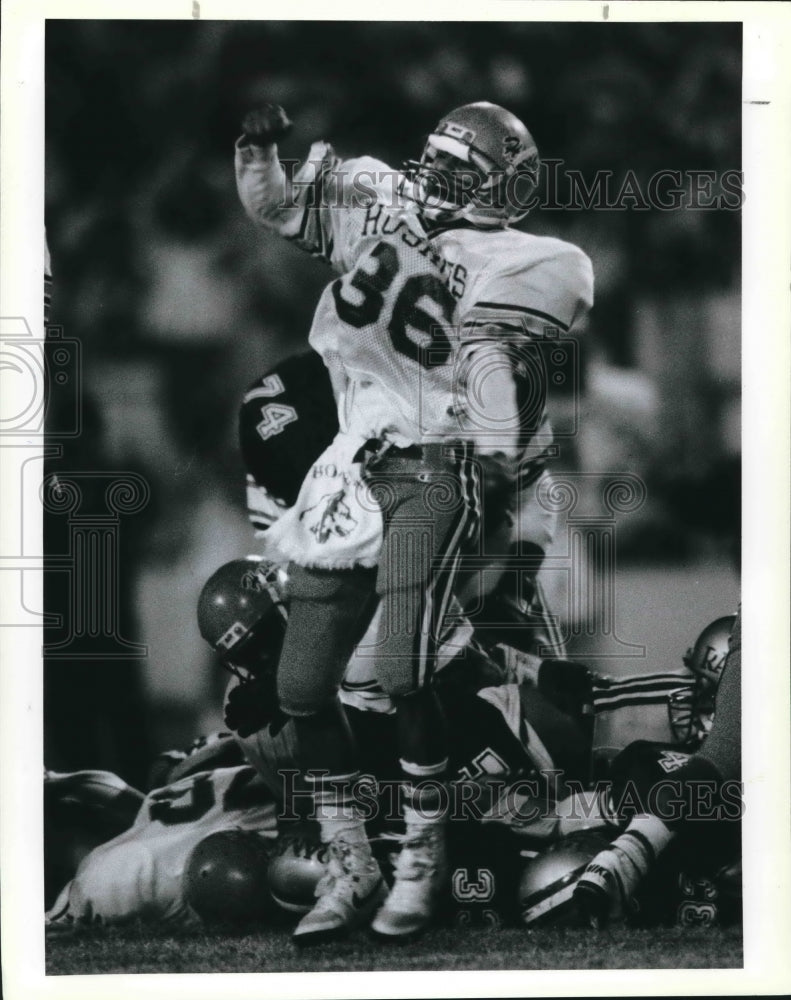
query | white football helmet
[691, 708]
[547, 884]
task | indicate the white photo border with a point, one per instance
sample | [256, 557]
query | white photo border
[765, 566]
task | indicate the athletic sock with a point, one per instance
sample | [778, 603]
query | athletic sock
[424, 793]
[336, 809]
[635, 851]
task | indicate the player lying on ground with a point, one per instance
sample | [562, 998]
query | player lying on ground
[705, 785]
[203, 844]
[238, 619]
[154, 868]
[414, 334]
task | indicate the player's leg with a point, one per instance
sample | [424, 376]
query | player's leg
[432, 518]
[328, 611]
[612, 877]
[512, 610]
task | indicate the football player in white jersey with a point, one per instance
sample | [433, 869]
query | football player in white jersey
[288, 417]
[143, 871]
[419, 335]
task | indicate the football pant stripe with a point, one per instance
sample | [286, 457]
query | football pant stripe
[443, 580]
[540, 609]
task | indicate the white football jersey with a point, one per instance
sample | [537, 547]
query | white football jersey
[398, 331]
[139, 873]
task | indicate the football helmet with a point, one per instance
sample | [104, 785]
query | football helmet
[548, 880]
[242, 613]
[707, 657]
[225, 878]
[691, 708]
[299, 861]
[480, 165]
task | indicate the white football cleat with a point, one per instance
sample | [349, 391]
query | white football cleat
[346, 896]
[421, 879]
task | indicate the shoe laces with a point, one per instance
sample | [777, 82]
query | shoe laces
[349, 863]
[419, 854]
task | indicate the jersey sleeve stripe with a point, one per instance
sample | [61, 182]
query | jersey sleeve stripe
[503, 307]
[314, 236]
[47, 296]
[501, 327]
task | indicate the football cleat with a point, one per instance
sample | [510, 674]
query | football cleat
[421, 879]
[604, 891]
[347, 895]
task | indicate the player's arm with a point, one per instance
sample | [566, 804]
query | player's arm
[515, 303]
[486, 395]
[271, 196]
[323, 205]
[294, 203]
[551, 294]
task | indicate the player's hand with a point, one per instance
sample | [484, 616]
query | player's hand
[265, 124]
[251, 705]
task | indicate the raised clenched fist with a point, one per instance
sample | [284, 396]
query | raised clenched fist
[265, 124]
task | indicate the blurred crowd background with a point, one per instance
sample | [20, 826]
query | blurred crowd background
[179, 303]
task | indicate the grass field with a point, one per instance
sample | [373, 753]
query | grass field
[140, 951]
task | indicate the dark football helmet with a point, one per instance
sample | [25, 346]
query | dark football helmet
[548, 880]
[299, 861]
[479, 165]
[225, 878]
[242, 613]
[691, 708]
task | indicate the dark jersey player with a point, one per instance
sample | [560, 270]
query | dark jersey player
[700, 789]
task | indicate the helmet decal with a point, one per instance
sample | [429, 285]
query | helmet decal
[511, 146]
[459, 132]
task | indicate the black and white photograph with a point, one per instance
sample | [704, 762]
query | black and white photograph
[403, 439]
